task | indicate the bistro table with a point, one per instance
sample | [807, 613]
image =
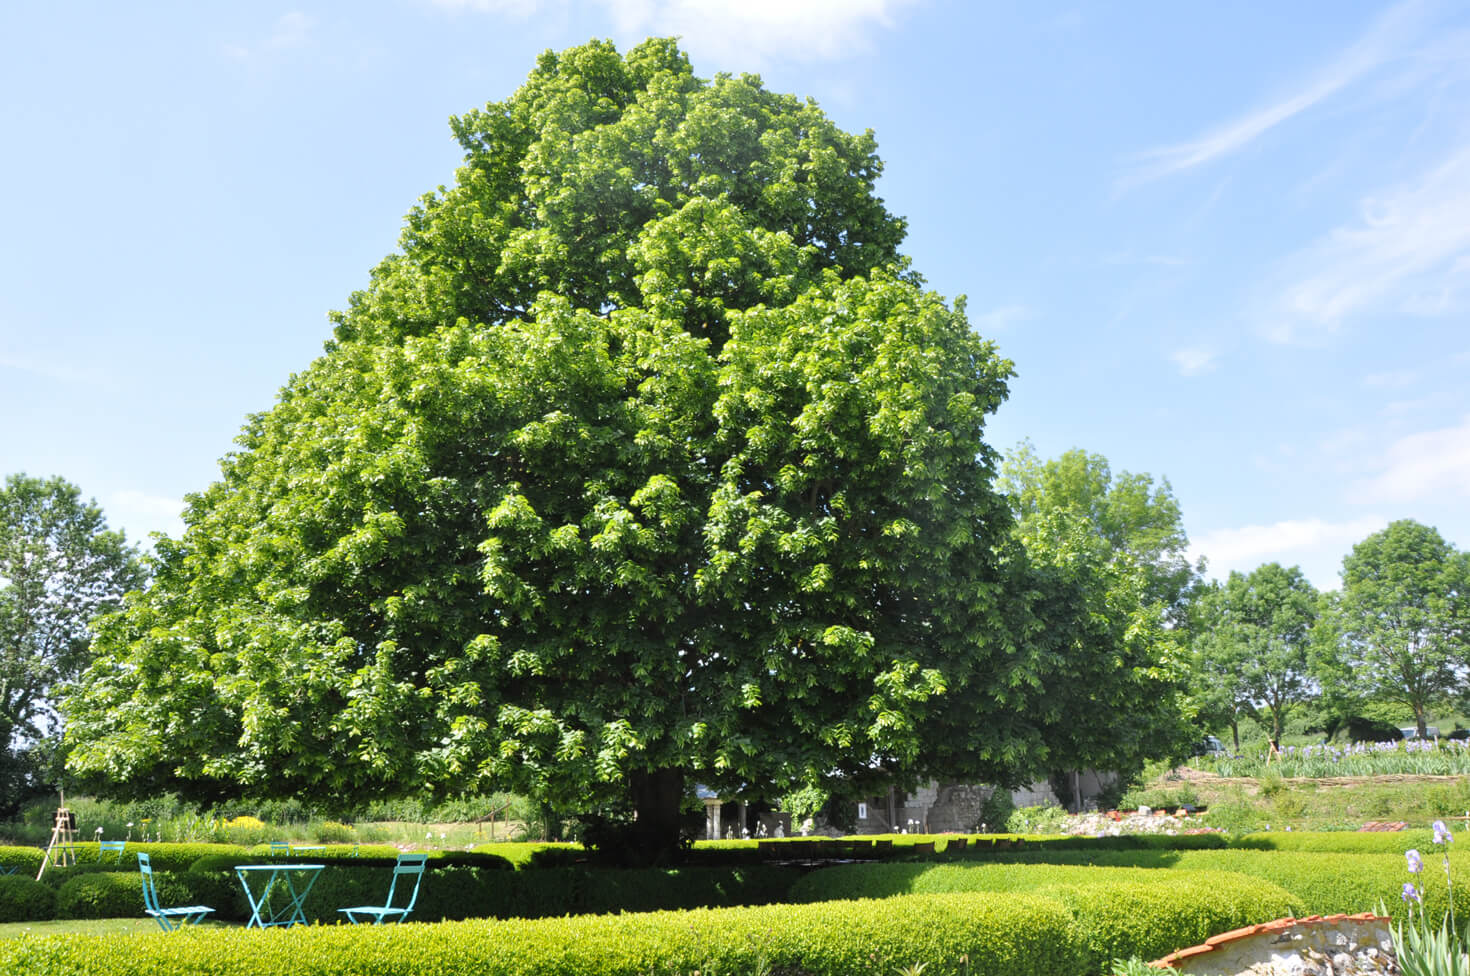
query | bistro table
[291, 913]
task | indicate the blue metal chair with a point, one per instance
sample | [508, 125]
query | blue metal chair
[280, 848]
[168, 918]
[113, 847]
[408, 864]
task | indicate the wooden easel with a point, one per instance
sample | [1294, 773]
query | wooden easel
[62, 850]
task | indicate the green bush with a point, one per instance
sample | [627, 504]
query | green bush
[116, 894]
[25, 860]
[971, 933]
[100, 895]
[25, 900]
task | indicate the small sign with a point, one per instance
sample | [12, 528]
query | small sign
[862, 811]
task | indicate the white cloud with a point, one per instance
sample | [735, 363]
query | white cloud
[743, 31]
[1194, 360]
[291, 30]
[1317, 546]
[515, 8]
[1001, 318]
[1391, 379]
[1406, 241]
[1383, 40]
[1432, 464]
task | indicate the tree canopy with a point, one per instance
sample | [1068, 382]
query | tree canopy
[1402, 621]
[646, 460]
[1254, 646]
[60, 566]
[1126, 516]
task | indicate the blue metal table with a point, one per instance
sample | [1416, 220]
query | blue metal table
[284, 877]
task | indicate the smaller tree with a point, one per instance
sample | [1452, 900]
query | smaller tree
[1404, 616]
[1258, 641]
[60, 567]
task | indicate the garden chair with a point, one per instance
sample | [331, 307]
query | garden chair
[280, 847]
[113, 847]
[169, 918]
[408, 864]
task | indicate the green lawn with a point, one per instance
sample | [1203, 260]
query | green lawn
[89, 926]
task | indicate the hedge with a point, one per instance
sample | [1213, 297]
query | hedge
[25, 900]
[1121, 911]
[1018, 935]
[117, 894]
[25, 860]
[1324, 883]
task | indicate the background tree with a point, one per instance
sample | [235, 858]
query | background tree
[1218, 693]
[1128, 514]
[1257, 639]
[1105, 569]
[645, 462]
[1404, 616]
[60, 567]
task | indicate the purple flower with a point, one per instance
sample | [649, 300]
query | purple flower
[1416, 864]
[1410, 893]
[1442, 833]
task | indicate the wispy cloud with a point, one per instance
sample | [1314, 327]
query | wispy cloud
[1194, 360]
[62, 371]
[1314, 544]
[291, 30]
[1001, 318]
[1384, 39]
[1406, 243]
[747, 30]
[1430, 464]
[519, 9]
[1391, 379]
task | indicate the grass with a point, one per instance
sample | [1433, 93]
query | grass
[90, 926]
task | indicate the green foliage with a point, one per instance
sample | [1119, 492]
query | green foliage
[25, 900]
[1045, 818]
[1020, 935]
[1252, 644]
[995, 812]
[1402, 623]
[107, 894]
[26, 860]
[646, 435]
[1119, 911]
[1105, 575]
[60, 567]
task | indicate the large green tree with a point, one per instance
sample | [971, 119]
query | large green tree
[60, 567]
[1403, 619]
[1254, 647]
[646, 460]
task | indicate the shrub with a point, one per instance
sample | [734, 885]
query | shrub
[1017, 935]
[25, 900]
[100, 895]
[26, 860]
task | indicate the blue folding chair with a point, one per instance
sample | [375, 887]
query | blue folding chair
[280, 848]
[169, 918]
[113, 847]
[408, 864]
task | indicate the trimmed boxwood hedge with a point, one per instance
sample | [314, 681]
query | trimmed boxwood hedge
[25, 860]
[1018, 935]
[25, 900]
[1121, 911]
[1325, 883]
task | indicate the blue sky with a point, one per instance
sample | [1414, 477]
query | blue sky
[1226, 244]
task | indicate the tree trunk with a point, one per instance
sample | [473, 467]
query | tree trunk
[657, 797]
